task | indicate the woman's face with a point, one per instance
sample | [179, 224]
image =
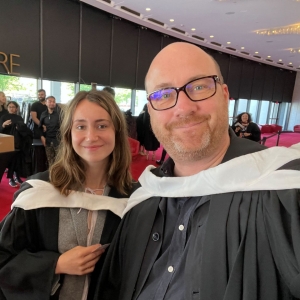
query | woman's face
[93, 133]
[244, 118]
[2, 99]
[12, 109]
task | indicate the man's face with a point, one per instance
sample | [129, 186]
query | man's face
[190, 130]
[41, 96]
[51, 103]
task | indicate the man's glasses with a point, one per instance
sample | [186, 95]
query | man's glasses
[197, 90]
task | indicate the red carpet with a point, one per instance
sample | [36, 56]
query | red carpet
[139, 163]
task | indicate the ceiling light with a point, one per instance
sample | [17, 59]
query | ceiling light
[193, 29]
[171, 20]
[243, 48]
[279, 59]
[290, 63]
[269, 56]
[148, 9]
[211, 36]
[295, 50]
[290, 29]
[256, 52]
[228, 42]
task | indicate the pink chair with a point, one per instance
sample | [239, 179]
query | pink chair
[297, 128]
[134, 146]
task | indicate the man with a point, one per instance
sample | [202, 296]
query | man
[109, 90]
[220, 218]
[49, 127]
[36, 110]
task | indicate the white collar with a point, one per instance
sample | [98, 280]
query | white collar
[43, 194]
[254, 171]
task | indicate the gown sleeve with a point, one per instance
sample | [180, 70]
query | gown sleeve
[27, 269]
[282, 221]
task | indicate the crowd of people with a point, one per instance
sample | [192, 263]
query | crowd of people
[196, 227]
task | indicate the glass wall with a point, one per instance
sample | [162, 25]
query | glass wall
[263, 114]
[62, 91]
[253, 108]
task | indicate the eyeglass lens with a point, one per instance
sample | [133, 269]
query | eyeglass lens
[196, 90]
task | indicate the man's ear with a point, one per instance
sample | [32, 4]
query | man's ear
[225, 92]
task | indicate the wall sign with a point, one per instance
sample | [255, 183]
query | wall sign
[8, 62]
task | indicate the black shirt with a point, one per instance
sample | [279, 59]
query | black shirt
[52, 123]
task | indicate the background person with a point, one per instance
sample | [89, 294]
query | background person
[195, 228]
[110, 90]
[8, 124]
[49, 127]
[245, 128]
[37, 108]
[51, 238]
[3, 106]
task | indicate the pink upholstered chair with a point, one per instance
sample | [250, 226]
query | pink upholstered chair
[297, 128]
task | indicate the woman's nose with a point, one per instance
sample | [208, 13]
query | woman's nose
[92, 134]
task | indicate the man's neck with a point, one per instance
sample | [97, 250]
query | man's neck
[50, 110]
[188, 168]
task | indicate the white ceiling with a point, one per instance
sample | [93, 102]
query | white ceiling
[234, 21]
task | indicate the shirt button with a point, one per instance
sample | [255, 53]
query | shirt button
[170, 269]
[181, 227]
[155, 236]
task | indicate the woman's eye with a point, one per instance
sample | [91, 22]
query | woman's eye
[102, 126]
[79, 127]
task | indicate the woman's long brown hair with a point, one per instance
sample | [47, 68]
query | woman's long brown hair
[68, 171]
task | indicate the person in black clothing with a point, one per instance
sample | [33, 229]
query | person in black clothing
[3, 107]
[7, 126]
[36, 110]
[245, 128]
[220, 218]
[50, 121]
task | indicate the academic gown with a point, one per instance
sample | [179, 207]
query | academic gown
[27, 274]
[250, 249]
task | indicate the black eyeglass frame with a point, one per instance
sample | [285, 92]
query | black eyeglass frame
[216, 79]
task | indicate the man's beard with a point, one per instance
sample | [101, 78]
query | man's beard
[204, 141]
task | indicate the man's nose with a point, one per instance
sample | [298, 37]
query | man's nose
[184, 103]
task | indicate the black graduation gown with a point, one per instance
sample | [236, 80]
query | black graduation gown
[250, 248]
[29, 250]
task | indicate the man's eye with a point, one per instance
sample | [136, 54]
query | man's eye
[166, 96]
[199, 87]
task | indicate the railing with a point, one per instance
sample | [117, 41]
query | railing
[263, 140]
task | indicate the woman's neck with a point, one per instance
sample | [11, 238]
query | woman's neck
[96, 177]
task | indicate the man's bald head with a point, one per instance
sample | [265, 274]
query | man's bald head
[175, 52]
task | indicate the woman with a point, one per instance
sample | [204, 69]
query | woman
[245, 128]
[8, 124]
[55, 236]
[3, 107]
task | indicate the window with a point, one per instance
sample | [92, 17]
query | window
[263, 112]
[62, 91]
[253, 109]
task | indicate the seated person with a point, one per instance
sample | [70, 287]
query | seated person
[8, 123]
[245, 128]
